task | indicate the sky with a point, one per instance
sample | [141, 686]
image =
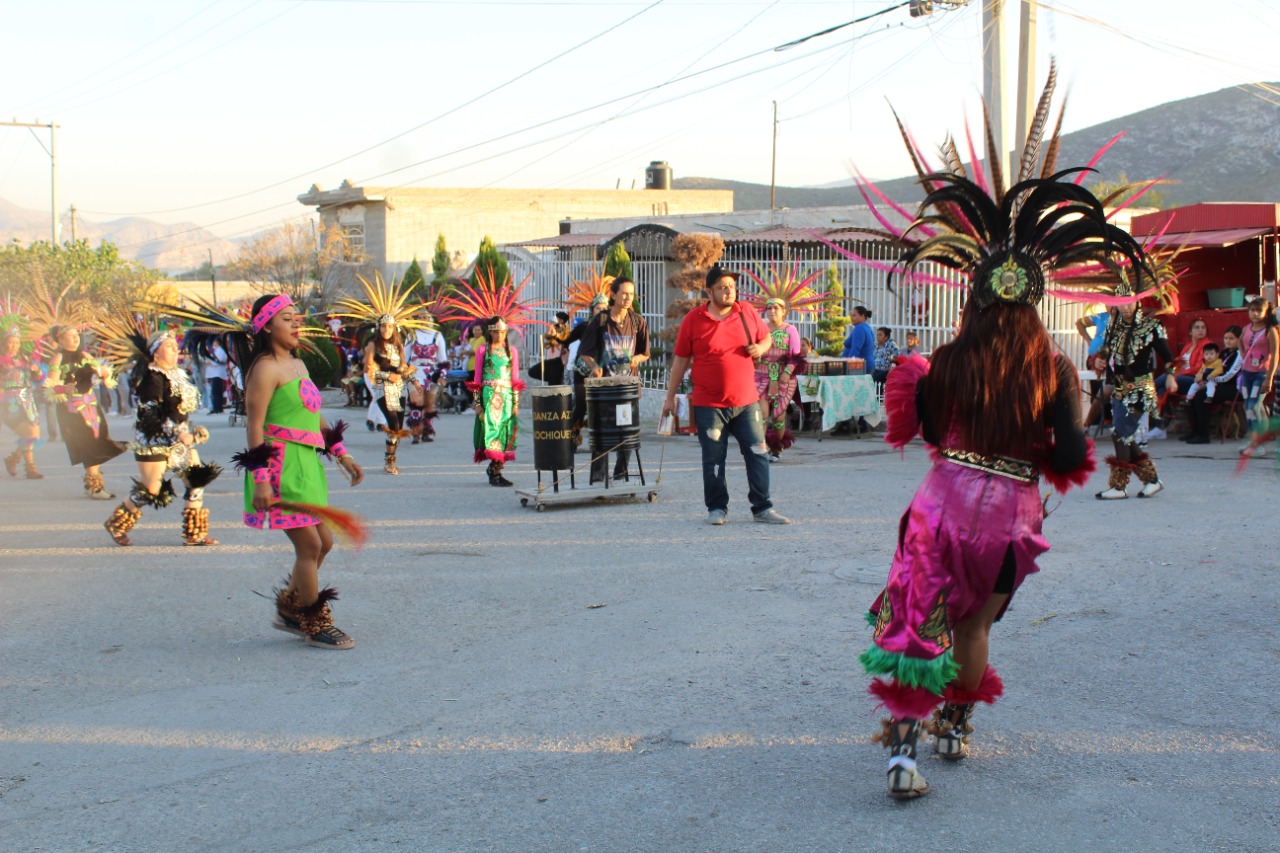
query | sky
[220, 112]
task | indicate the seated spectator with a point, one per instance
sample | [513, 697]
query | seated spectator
[1191, 357]
[1219, 388]
[1099, 390]
[913, 344]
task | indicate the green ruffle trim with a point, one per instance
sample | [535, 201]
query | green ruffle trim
[933, 675]
[871, 619]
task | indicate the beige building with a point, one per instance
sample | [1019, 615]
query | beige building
[387, 227]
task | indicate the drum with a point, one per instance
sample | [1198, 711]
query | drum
[613, 413]
[552, 427]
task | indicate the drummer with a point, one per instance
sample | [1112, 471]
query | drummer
[615, 343]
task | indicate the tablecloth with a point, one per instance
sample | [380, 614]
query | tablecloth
[842, 398]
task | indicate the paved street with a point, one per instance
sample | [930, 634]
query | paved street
[624, 677]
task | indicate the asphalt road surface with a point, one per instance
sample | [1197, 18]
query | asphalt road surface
[623, 677]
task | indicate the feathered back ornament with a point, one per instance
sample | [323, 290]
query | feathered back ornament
[12, 321]
[122, 332]
[48, 310]
[582, 293]
[792, 286]
[1009, 243]
[209, 322]
[467, 304]
[383, 302]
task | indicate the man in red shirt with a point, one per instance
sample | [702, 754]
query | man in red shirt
[722, 339]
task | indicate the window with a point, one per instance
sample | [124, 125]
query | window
[353, 243]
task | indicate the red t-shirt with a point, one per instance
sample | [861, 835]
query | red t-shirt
[724, 376]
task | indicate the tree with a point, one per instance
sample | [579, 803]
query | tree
[83, 273]
[307, 262]
[440, 262]
[831, 326]
[489, 259]
[413, 280]
[618, 263]
[698, 253]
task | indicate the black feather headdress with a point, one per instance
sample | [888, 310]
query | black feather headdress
[1042, 233]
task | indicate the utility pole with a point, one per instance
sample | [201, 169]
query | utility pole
[1026, 69]
[773, 171]
[73, 223]
[52, 151]
[213, 279]
[994, 73]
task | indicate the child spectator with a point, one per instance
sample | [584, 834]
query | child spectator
[886, 352]
[1210, 368]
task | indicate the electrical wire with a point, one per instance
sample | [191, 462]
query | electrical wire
[80, 79]
[414, 129]
[186, 61]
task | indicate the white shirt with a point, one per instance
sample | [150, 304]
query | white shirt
[216, 367]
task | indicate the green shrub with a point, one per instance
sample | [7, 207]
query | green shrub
[323, 361]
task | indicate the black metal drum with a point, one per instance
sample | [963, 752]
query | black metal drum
[552, 427]
[613, 413]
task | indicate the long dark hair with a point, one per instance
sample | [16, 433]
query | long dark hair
[991, 387]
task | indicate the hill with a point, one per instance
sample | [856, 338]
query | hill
[171, 248]
[1223, 146]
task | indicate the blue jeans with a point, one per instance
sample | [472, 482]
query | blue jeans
[714, 428]
[1251, 391]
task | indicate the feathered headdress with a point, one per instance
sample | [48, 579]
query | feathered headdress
[12, 321]
[786, 285]
[383, 303]
[1015, 243]
[468, 304]
[583, 293]
[48, 310]
[122, 332]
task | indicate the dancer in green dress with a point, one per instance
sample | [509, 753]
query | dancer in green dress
[497, 394]
[286, 435]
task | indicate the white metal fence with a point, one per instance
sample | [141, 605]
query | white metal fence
[929, 310]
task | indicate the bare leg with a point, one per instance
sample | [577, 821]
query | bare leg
[970, 639]
[310, 546]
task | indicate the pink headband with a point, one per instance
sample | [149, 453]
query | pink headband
[271, 309]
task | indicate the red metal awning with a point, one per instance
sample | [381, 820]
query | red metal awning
[1209, 239]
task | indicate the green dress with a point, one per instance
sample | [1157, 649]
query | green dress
[498, 391]
[297, 475]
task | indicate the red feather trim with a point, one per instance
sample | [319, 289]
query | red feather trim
[900, 399]
[788, 438]
[1116, 463]
[346, 525]
[518, 385]
[902, 701]
[1062, 481]
[989, 689]
[475, 387]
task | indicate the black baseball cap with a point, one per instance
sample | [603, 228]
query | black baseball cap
[718, 272]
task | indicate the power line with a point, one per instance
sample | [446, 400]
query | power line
[132, 53]
[404, 133]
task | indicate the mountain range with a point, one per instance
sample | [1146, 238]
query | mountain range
[1222, 146]
[169, 247]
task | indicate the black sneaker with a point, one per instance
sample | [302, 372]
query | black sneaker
[331, 637]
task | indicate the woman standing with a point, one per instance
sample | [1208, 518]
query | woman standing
[779, 293]
[286, 435]
[497, 402]
[164, 440]
[429, 362]
[73, 377]
[1258, 345]
[385, 365]
[776, 372]
[19, 371]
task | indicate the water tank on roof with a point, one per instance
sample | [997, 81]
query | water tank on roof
[657, 176]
